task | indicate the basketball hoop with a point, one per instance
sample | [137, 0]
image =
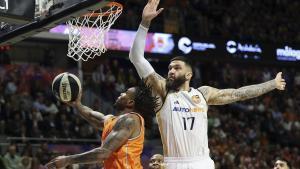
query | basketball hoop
[87, 33]
[3, 25]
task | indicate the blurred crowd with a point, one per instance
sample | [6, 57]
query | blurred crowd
[245, 135]
[269, 20]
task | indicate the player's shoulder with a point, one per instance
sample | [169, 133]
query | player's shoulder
[203, 87]
[129, 118]
[108, 119]
[205, 90]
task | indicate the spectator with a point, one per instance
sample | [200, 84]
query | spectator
[156, 162]
[12, 159]
[282, 164]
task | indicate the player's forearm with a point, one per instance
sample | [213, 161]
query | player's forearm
[145, 23]
[87, 113]
[248, 92]
[93, 156]
[136, 54]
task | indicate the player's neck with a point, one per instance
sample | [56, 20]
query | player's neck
[184, 87]
[126, 110]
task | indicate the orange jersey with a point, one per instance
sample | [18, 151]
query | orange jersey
[129, 155]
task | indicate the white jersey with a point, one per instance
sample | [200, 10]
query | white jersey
[182, 123]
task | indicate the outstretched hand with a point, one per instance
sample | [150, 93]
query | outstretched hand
[77, 101]
[280, 82]
[58, 162]
[150, 12]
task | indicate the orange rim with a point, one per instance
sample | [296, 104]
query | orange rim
[107, 13]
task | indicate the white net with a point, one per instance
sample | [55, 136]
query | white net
[3, 25]
[87, 33]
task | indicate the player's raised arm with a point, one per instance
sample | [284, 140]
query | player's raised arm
[225, 96]
[125, 128]
[136, 55]
[96, 119]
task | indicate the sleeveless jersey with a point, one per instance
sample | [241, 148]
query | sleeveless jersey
[183, 124]
[127, 156]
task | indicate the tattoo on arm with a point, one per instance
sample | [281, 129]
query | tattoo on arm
[96, 119]
[154, 78]
[121, 132]
[225, 96]
[158, 84]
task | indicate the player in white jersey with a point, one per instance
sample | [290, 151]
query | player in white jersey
[182, 114]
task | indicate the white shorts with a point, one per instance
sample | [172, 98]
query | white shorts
[189, 163]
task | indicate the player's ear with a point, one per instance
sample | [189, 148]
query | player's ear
[130, 103]
[188, 75]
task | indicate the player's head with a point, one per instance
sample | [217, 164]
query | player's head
[282, 164]
[138, 99]
[180, 71]
[156, 161]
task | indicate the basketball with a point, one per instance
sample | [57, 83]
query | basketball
[66, 87]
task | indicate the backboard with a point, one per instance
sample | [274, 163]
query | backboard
[21, 19]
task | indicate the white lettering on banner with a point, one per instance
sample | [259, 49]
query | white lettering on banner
[288, 53]
[233, 47]
[5, 5]
[186, 45]
[203, 46]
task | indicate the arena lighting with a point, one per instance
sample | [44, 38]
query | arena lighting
[115, 39]
[287, 54]
[169, 44]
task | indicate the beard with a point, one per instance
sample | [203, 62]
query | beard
[118, 106]
[175, 83]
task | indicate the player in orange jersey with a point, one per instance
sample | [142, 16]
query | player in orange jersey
[123, 135]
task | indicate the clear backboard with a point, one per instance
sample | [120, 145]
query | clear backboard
[21, 19]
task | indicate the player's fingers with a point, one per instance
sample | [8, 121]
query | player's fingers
[159, 11]
[50, 166]
[156, 3]
[152, 3]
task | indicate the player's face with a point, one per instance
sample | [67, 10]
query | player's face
[125, 99]
[177, 74]
[280, 165]
[156, 161]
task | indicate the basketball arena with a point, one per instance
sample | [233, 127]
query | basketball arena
[153, 84]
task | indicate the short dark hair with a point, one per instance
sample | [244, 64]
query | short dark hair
[183, 59]
[287, 162]
[145, 103]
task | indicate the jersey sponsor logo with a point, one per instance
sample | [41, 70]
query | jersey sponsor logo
[186, 110]
[196, 99]
[176, 102]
